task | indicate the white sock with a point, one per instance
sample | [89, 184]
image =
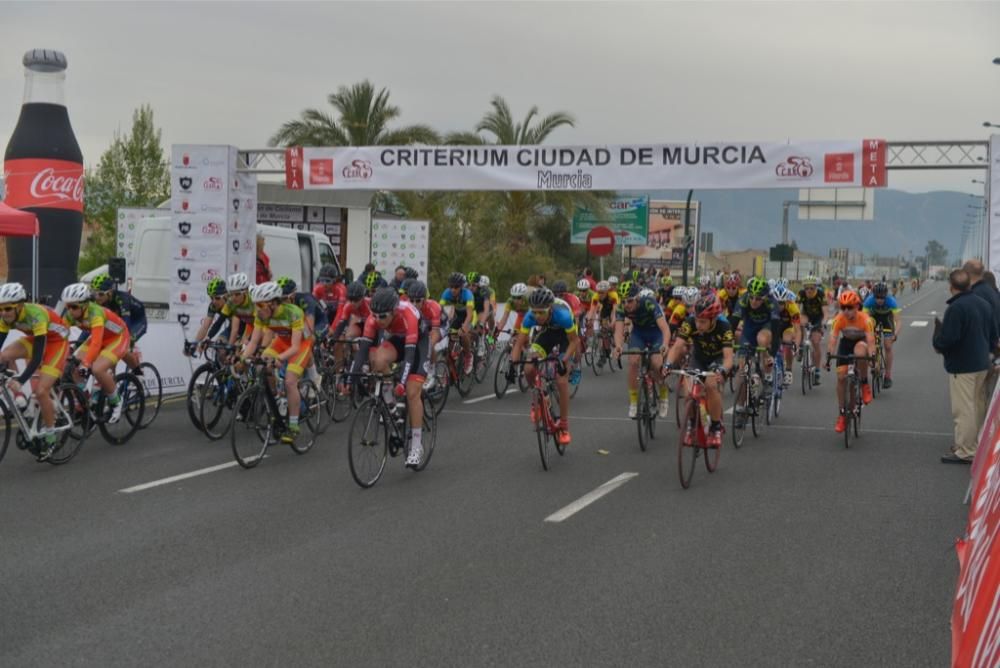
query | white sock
[415, 438]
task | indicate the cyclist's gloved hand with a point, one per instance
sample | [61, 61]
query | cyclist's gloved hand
[399, 390]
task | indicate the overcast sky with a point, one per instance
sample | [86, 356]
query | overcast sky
[231, 73]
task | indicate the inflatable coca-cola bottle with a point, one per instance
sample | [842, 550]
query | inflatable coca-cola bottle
[43, 170]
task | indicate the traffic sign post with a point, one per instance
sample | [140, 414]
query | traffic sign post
[600, 241]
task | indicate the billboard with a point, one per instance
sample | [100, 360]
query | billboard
[665, 243]
[627, 217]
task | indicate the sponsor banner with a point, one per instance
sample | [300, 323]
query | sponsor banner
[830, 164]
[129, 222]
[162, 345]
[665, 242]
[244, 228]
[40, 182]
[993, 193]
[975, 620]
[627, 217]
[400, 242]
[280, 213]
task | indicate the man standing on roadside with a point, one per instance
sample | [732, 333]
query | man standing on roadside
[965, 338]
[983, 290]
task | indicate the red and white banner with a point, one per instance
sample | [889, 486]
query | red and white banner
[975, 620]
[36, 182]
[824, 164]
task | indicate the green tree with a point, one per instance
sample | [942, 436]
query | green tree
[131, 173]
[935, 253]
[363, 118]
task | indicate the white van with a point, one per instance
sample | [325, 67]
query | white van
[294, 253]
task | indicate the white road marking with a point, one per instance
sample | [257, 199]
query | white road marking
[590, 497]
[488, 396]
[175, 478]
[918, 323]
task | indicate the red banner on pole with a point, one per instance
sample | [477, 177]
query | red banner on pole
[873, 168]
[293, 168]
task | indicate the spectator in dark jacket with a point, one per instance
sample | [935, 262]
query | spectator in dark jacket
[965, 338]
[983, 290]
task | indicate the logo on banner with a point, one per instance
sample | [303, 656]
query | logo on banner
[184, 319]
[184, 228]
[321, 172]
[212, 209]
[358, 170]
[184, 251]
[186, 160]
[212, 183]
[838, 168]
[236, 245]
[209, 274]
[794, 167]
[184, 274]
[212, 229]
[185, 183]
[236, 205]
[184, 205]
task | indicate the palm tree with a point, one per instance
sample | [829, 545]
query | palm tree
[363, 119]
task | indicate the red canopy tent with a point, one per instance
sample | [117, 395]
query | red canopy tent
[17, 223]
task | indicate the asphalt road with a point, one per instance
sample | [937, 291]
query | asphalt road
[795, 552]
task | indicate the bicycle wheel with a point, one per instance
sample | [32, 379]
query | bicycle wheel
[541, 431]
[522, 381]
[554, 412]
[72, 426]
[466, 381]
[133, 399]
[588, 352]
[149, 375]
[856, 423]
[368, 443]
[312, 416]
[679, 402]
[641, 416]
[428, 436]
[740, 409]
[219, 396]
[339, 404]
[193, 401]
[251, 428]
[7, 429]
[653, 400]
[438, 395]
[712, 456]
[687, 449]
[500, 382]
[598, 357]
[480, 365]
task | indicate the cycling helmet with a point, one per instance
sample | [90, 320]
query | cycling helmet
[456, 280]
[603, 286]
[484, 281]
[757, 287]
[329, 271]
[705, 281]
[416, 289]
[518, 290]
[784, 294]
[559, 287]
[73, 293]
[810, 281]
[11, 293]
[666, 280]
[384, 300]
[265, 292]
[613, 280]
[372, 279]
[102, 283]
[628, 289]
[583, 284]
[472, 278]
[356, 291]
[849, 298]
[404, 285]
[646, 292]
[412, 273]
[691, 296]
[287, 285]
[237, 282]
[732, 284]
[216, 287]
[881, 291]
[707, 307]
[541, 298]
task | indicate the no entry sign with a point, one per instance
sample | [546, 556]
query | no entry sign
[600, 241]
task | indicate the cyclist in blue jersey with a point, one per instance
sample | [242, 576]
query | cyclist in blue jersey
[649, 331]
[462, 303]
[885, 310]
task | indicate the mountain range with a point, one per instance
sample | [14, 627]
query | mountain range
[903, 222]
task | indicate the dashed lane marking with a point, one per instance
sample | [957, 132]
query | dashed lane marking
[568, 511]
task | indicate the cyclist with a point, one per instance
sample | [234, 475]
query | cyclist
[482, 301]
[214, 321]
[393, 328]
[291, 344]
[430, 319]
[106, 341]
[518, 305]
[649, 330]
[561, 291]
[374, 281]
[790, 324]
[314, 312]
[613, 282]
[239, 308]
[44, 346]
[462, 302]
[812, 303]
[709, 338]
[587, 296]
[330, 290]
[665, 292]
[881, 306]
[755, 310]
[730, 294]
[491, 297]
[353, 312]
[858, 331]
[125, 306]
[556, 329]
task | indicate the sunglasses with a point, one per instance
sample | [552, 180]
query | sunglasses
[847, 308]
[540, 311]
[324, 281]
[8, 309]
[239, 293]
[263, 305]
[382, 316]
[417, 302]
[70, 307]
[103, 293]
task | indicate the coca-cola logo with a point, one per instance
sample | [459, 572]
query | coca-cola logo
[360, 170]
[212, 183]
[794, 167]
[184, 319]
[184, 227]
[48, 184]
[212, 229]
[185, 183]
[184, 274]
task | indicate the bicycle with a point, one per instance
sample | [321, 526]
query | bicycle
[219, 395]
[749, 397]
[200, 376]
[646, 408]
[878, 365]
[130, 393]
[808, 370]
[501, 376]
[693, 441]
[602, 345]
[777, 389]
[71, 421]
[545, 405]
[260, 416]
[455, 362]
[853, 401]
[380, 430]
[484, 348]
[149, 376]
[332, 371]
